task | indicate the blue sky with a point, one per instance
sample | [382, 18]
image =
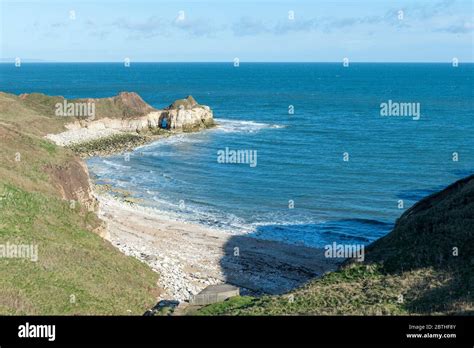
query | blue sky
[366, 30]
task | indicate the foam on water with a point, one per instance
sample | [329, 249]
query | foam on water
[115, 164]
[238, 126]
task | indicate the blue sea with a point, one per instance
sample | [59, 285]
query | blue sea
[302, 190]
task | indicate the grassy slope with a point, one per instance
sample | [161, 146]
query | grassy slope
[72, 259]
[126, 105]
[412, 270]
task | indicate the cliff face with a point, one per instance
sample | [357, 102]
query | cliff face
[424, 266]
[438, 231]
[38, 181]
[131, 104]
[127, 112]
[187, 114]
[124, 105]
[199, 116]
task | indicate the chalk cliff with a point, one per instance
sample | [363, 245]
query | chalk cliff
[127, 112]
[188, 114]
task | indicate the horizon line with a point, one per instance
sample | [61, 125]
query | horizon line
[231, 62]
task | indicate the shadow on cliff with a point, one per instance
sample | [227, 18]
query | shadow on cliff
[258, 263]
[431, 247]
[435, 236]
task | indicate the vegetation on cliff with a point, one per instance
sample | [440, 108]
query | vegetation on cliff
[45, 202]
[125, 105]
[424, 266]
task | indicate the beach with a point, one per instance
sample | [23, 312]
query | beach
[188, 257]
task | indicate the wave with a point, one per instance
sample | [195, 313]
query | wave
[171, 140]
[305, 231]
[189, 212]
[238, 126]
[319, 234]
[115, 165]
[223, 125]
[367, 221]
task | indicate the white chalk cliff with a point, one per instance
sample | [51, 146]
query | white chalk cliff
[131, 114]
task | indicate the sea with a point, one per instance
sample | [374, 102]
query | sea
[324, 154]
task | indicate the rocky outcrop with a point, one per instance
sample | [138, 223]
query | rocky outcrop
[187, 114]
[187, 103]
[114, 116]
[72, 182]
[131, 104]
[181, 115]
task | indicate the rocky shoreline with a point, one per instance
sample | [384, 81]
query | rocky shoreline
[188, 257]
[110, 145]
[139, 124]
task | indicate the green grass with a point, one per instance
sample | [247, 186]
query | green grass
[113, 107]
[72, 262]
[413, 270]
[234, 305]
[48, 146]
[358, 290]
[77, 271]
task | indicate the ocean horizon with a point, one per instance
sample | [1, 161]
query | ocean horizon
[328, 165]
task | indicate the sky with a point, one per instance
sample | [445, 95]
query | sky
[252, 31]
